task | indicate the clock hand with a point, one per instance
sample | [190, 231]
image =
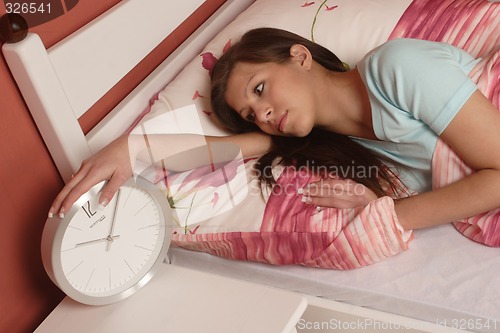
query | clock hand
[110, 238]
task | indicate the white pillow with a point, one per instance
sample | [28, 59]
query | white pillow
[349, 28]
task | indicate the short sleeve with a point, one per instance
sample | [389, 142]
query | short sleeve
[429, 80]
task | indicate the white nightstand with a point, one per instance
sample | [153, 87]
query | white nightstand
[183, 300]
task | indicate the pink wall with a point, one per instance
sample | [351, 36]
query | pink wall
[29, 180]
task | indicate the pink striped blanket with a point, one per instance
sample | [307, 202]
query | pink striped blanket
[475, 27]
[279, 229]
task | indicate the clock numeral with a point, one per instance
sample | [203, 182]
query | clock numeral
[88, 210]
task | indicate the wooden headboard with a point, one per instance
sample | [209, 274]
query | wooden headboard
[61, 83]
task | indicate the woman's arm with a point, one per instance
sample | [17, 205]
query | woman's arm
[474, 134]
[156, 147]
[115, 163]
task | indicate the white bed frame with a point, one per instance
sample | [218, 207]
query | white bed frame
[52, 86]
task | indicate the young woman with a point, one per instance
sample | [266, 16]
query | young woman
[389, 110]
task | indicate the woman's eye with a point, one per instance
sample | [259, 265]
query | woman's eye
[259, 89]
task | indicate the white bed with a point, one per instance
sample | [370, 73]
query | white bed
[444, 278]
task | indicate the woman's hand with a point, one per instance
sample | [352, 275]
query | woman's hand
[112, 163]
[337, 193]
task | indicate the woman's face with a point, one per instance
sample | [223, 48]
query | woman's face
[278, 98]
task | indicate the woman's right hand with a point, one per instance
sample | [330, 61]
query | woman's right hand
[112, 163]
[337, 193]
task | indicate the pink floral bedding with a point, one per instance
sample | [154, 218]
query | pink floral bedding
[277, 228]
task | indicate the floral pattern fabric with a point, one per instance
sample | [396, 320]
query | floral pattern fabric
[276, 227]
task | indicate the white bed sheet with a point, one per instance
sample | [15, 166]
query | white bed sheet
[439, 280]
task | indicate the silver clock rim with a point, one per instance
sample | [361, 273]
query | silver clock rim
[54, 230]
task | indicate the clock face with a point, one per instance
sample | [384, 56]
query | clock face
[102, 254]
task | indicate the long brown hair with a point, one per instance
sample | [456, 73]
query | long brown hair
[320, 149]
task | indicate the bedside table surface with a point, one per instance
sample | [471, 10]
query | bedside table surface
[184, 300]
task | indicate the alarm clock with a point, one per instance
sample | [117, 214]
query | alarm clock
[100, 255]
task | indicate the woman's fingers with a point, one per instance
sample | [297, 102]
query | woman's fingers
[330, 187]
[84, 181]
[333, 202]
[111, 187]
[111, 164]
[338, 193]
[80, 183]
[57, 204]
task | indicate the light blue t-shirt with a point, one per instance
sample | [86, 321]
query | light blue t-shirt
[415, 88]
